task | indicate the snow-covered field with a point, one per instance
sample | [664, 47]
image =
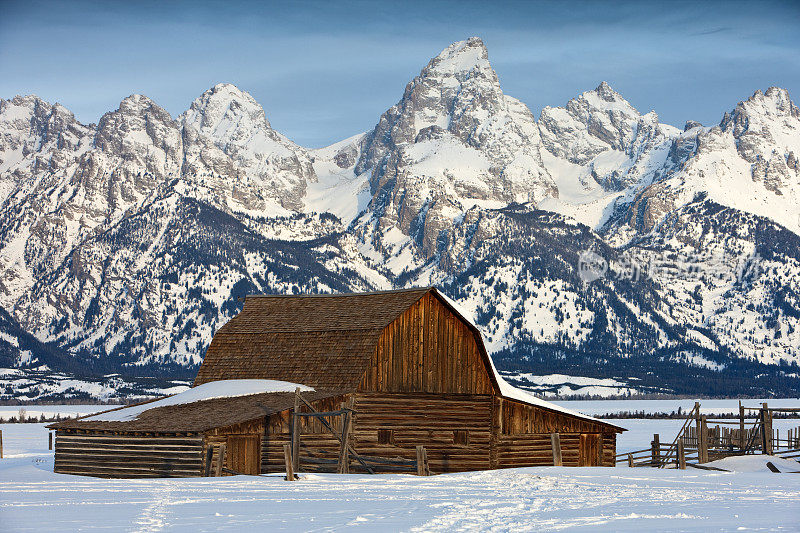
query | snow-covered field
[33, 498]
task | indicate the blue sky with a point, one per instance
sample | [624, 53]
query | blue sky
[324, 70]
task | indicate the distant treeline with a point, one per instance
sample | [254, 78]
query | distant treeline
[24, 419]
[680, 414]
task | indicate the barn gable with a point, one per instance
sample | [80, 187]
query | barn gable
[429, 348]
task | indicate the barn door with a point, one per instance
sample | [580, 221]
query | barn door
[244, 453]
[589, 449]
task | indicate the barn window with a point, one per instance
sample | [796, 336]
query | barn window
[385, 436]
[461, 437]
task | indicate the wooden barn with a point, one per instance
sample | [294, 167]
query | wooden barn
[385, 372]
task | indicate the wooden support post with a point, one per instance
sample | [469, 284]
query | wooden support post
[287, 458]
[49, 440]
[702, 441]
[555, 442]
[425, 461]
[600, 451]
[742, 432]
[697, 425]
[220, 460]
[681, 456]
[420, 460]
[766, 430]
[296, 431]
[655, 450]
[1, 443]
[344, 454]
[630, 460]
[209, 458]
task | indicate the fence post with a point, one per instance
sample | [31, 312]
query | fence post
[702, 441]
[220, 460]
[209, 458]
[630, 460]
[420, 460]
[655, 450]
[49, 440]
[766, 430]
[287, 459]
[742, 438]
[698, 424]
[555, 442]
[344, 454]
[681, 456]
[1, 443]
[296, 431]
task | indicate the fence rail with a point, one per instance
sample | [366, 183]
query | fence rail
[701, 439]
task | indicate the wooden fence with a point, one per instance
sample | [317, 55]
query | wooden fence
[701, 440]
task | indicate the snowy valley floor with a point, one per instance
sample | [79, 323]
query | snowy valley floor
[33, 498]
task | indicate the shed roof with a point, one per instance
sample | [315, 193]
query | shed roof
[196, 417]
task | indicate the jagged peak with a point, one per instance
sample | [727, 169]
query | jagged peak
[777, 94]
[228, 91]
[32, 101]
[605, 92]
[461, 57]
[137, 99]
[605, 98]
[692, 124]
[138, 103]
[774, 101]
[224, 99]
[25, 99]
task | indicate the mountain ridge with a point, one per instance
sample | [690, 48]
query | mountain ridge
[127, 242]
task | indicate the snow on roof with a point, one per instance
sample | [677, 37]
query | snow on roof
[507, 390]
[208, 391]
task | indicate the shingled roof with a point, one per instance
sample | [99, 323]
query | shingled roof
[323, 341]
[196, 417]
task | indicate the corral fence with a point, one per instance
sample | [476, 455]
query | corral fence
[701, 439]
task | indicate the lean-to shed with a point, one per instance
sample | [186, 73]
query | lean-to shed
[414, 370]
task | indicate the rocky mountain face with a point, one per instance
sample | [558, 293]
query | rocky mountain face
[453, 141]
[594, 241]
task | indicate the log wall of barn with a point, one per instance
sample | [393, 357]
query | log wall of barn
[523, 437]
[455, 430]
[128, 456]
[428, 349]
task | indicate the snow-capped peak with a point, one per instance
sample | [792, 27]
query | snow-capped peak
[461, 57]
[229, 115]
[453, 140]
[604, 98]
[775, 101]
[135, 103]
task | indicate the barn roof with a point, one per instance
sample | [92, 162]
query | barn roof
[324, 341]
[192, 417]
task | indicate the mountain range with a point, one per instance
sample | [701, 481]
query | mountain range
[594, 242]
